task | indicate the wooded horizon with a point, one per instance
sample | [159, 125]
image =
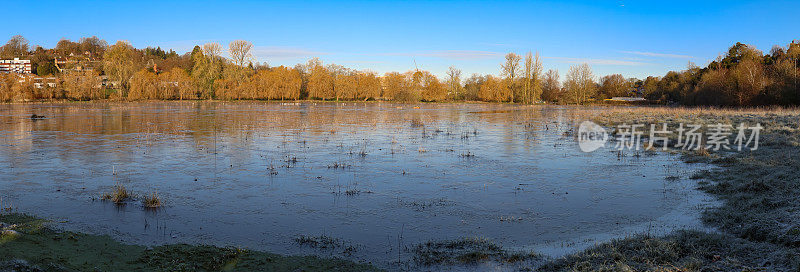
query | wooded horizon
[90, 69]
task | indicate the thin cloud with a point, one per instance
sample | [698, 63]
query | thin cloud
[659, 55]
[277, 52]
[597, 61]
[498, 44]
[451, 54]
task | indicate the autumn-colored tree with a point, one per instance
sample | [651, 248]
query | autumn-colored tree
[94, 45]
[16, 47]
[346, 85]
[289, 83]
[432, 88]
[86, 85]
[120, 63]
[531, 79]
[715, 88]
[493, 89]
[414, 86]
[454, 88]
[23, 90]
[276, 83]
[650, 86]
[510, 70]
[551, 87]
[206, 69]
[49, 89]
[14, 87]
[472, 87]
[320, 80]
[396, 86]
[751, 79]
[785, 83]
[614, 86]
[144, 85]
[65, 47]
[580, 83]
[177, 84]
[368, 85]
[233, 84]
[7, 82]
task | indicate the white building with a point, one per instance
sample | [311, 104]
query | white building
[15, 66]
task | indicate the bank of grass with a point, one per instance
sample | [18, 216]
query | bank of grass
[679, 251]
[759, 216]
[38, 247]
[467, 251]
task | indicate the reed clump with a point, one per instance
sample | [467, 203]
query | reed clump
[118, 194]
[152, 201]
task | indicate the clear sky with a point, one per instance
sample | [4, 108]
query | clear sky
[634, 38]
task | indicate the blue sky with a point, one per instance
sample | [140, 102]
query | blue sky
[634, 38]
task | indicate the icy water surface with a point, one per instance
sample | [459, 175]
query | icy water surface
[379, 177]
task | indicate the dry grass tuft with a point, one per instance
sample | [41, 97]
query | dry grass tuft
[6, 205]
[117, 195]
[702, 152]
[466, 251]
[152, 201]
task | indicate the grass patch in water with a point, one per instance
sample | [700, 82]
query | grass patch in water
[680, 251]
[118, 194]
[466, 251]
[151, 201]
[42, 248]
[758, 190]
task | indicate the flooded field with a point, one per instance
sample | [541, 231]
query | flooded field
[373, 179]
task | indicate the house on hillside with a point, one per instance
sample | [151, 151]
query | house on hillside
[16, 65]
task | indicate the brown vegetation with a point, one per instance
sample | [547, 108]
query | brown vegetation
[744, 76]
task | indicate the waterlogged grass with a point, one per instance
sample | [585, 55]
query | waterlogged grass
[680, 251]
[118, 194]
[41, 248]
[759, 218]
[466, 251]
[151, 201]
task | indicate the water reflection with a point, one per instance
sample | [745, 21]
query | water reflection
[380, 176]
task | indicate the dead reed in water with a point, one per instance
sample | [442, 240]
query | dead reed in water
[117, 195]
[151, 201]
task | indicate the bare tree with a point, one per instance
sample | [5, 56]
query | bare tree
[241, 52]
[532, 85]
[454, 82]
[551, 87]
[16, 47]
[511, 72]
[580, 82]
[212, 50]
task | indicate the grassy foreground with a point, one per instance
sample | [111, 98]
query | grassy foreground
[759, 216]
[33, 246]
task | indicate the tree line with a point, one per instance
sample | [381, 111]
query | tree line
[743, 76]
